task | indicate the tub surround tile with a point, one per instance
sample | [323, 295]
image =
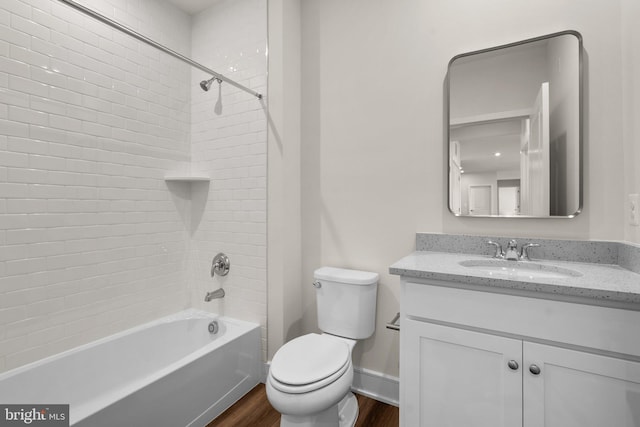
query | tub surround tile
[609, 270]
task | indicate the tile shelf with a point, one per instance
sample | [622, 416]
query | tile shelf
[187, 178]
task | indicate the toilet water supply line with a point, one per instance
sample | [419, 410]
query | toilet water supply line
[99, 17]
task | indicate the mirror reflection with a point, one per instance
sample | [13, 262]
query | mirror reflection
[514, 129]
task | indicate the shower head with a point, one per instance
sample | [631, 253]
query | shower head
[206, 84]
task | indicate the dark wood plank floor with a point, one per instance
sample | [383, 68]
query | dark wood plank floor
[254, 410]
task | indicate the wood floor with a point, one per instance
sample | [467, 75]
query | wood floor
[254, 410]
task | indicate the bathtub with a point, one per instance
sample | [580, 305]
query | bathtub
[171, 372]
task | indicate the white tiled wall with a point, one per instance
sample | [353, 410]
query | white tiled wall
[230, 37]
[92, 239]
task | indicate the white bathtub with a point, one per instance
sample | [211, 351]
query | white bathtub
[171, 372]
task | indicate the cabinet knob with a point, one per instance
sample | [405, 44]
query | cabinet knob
[513, 365]
[534, 369]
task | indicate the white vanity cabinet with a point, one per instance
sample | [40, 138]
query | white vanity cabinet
[454, 377]
[473, 358]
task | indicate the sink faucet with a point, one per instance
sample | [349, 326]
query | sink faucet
[511, 254]
[499, 253]
[524, 251]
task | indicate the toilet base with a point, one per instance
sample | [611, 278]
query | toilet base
[344, 414]
[348, 410]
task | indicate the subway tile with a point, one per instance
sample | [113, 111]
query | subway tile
[48, 134]
[49, 21]
[5, 48]
[23, 115]
[81, 33]
[28, 56]
[15, 37]
[96, 129]
[50, 49]
[111, 120]
[27, 26]
[23, 266]
[66, 42]
[64, 68]
[26, 85]
[22, 236]
[65, 123]
[11, 128]
[47, 162]
[81, 86]
[47, 105]
[80, 113]
[95, 103]
[26, 206]
[42, 5]
[26, 176]
[11, 190]
[11, 66]
[103, 82]
[109, 95]
[49, 77]
[16, 7]
[65, 95]
[27, 145]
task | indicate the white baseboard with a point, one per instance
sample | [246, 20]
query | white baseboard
[376, 385]
[373, 384]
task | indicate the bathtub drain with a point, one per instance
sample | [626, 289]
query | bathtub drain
[213, 327]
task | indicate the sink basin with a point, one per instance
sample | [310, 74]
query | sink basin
[519, 269]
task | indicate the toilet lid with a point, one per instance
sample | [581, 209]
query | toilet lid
[309, 359]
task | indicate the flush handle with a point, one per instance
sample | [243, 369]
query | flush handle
[317, 284]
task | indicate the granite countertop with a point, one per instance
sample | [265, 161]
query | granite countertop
[601, 284]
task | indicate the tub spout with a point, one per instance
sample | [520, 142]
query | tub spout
[218, 293]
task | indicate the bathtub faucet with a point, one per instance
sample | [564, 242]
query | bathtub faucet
[218, 293]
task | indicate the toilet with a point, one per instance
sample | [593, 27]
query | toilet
[310, 377]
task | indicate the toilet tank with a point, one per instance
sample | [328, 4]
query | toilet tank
[346, 301]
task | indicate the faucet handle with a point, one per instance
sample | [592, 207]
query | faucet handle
[512, 244]
[499, 253]
[220, 265]
[524, 252]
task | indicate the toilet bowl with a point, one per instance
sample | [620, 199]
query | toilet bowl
[310, 377]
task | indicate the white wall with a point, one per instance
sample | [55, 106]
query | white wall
[91, 240]
[284, 210]
[373, 163]
[630, 37]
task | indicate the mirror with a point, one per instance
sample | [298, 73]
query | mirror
[514, 129]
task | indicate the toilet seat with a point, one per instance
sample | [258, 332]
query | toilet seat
[308, 363]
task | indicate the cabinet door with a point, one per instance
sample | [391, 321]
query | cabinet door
[577, 389]
[451, 377]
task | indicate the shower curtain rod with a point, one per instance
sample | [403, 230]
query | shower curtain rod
[150, 42]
